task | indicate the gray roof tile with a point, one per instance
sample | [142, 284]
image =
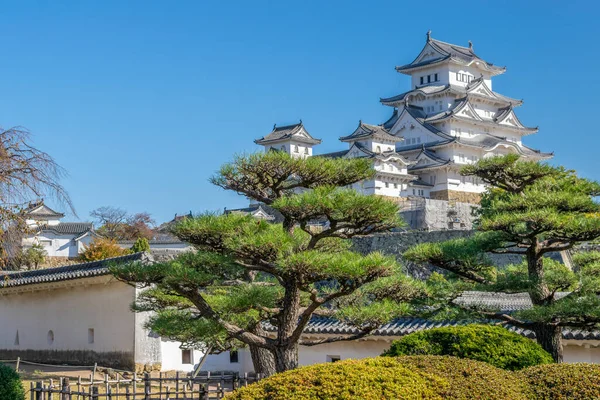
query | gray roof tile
[67, 272]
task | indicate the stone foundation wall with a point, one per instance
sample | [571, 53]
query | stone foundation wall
[112, 359]
[396, 243]
[453, 195]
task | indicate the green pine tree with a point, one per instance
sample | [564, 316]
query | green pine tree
[531, 209]
[248, 274]
[141, 244]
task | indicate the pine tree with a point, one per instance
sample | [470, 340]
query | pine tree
[531, 209]
[258, 284]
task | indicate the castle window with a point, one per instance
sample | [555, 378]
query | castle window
[413, 192]
[436, 77]
[418, 140]
[428, 78]
[333, 358]
[387, 185]
[395, 186]
[233, 357]
[50, 337]
[422, 80]
[306, 150]
[187, 356]
[378, 149]
[295, 148]
[283, 148]
[91, 335]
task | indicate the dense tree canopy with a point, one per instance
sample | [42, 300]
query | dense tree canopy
[530, 209]
[249, 275]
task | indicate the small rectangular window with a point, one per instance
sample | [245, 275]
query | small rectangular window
[395, 186]
[387, 185]
[306, 150]
[333, 358]
[436, 77]
[428, 78]
[91, 335]
[186, 356]
[233, 357]
[458, 77]
[421, 80]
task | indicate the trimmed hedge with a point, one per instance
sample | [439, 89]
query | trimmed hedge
[419, 377]
[492, 344]
[10, 384]
[563, 381]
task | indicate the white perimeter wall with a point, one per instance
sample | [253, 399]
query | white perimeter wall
[574, 351]
[172, 357]
[69, 312]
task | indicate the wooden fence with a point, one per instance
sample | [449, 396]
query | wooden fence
[176, 387]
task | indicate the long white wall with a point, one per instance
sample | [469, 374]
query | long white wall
[574, 351]
[70, 313]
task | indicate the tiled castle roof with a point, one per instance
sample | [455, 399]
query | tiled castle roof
[68, 228]
[449, 52]
[403, 326]
[67, 272]
[295, 131]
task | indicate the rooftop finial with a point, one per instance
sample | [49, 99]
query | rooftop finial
[359, 122]
[300, 121]
[470, 45]
[429, 34]
[274, 126]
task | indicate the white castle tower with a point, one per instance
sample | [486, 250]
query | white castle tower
[449, 118]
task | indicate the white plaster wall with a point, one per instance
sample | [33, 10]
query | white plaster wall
[172, 357]
[221, 362]
[364, 349]
[69, 312]
[55, 245]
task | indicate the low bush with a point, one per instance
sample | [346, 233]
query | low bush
[101, 248]
[10, 384]
[426, 377]
[563, 381]
[492, 344]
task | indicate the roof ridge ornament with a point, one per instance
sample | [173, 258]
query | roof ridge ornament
[274, 126]
[429, 35]
[470, 45]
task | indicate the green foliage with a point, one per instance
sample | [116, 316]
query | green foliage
[141, 244]
[390, 378]
[101, 248]
[563, 381]
[530, 209]
[247, 272]
[10, 384]
[34, 256]
[492, 344]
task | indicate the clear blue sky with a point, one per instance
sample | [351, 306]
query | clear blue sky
[141, 101]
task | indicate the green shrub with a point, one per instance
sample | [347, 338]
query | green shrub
[425, 377]
[10, 384]
[492, 344]
[141, 244]
[563, 381]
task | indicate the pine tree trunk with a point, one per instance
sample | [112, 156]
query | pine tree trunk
[286, 358]
[550, 338]
[263, 361]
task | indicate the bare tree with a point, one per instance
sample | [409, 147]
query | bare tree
[26, 173]
[116, 223]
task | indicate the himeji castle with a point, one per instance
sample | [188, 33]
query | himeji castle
[450, 117]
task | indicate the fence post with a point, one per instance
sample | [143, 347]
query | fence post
[127, 397]
[94, 390]
[134, 384]
[18, 362]
[66, 389]
[177, 385]
[147, 388]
